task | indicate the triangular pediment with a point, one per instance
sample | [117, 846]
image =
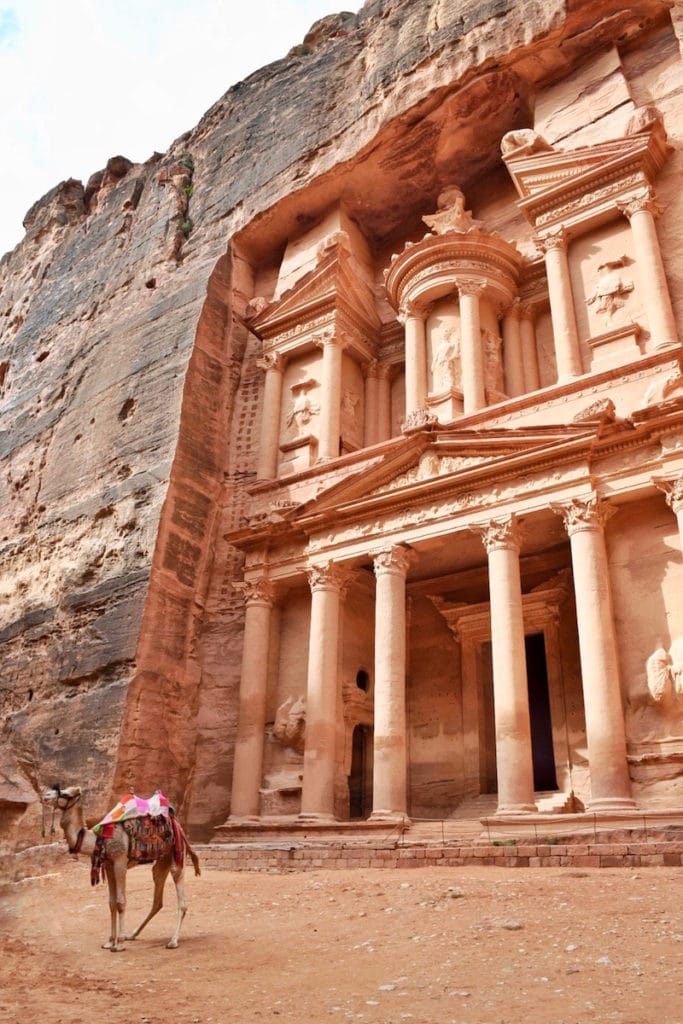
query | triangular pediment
[547, 178]
[542, 172]
[430, 460]
[333, 284]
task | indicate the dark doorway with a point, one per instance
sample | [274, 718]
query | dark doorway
[488, 779]
[360, 778]
[539, 710]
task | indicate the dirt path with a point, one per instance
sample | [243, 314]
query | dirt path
[430, 946]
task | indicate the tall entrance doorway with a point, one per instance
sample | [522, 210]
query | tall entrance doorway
[545, 777]
[360, 777]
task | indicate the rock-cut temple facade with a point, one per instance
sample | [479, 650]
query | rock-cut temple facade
[434, 403]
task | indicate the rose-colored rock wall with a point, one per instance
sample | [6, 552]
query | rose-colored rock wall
[130, 386]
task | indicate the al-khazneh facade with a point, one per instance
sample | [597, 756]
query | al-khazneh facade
[463, 560]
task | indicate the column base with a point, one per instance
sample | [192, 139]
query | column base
[658, 345]
[313, 818]
[243, 819]
[390, 817]
[612, 803]
[505, 809]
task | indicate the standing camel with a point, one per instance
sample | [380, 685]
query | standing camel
[82, 840]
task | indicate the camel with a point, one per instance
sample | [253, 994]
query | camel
[82, 840]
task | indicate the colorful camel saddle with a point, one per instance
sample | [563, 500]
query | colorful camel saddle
[151, 837]
[132, 806]
[152, 829]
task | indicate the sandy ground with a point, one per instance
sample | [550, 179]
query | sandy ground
[472, 946]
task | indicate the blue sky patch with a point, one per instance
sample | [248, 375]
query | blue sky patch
[9, 26]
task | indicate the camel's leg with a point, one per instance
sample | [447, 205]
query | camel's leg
[111, 883]
[160, 870]
[177, 875]
[120, 865]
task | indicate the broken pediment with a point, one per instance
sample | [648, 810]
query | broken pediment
[332, 288]
[570, 187]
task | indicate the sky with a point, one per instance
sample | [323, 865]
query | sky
[84, 80]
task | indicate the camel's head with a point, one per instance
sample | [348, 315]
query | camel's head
[60, 798]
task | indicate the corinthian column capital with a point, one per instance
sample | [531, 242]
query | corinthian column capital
[470, 286]
[673, 491]
[554, 240]
[643, 201]
[589, 513]
[500, 533]
[410, 310]
[256, 591]
[271, 361]
[328, 576]
[392, 560]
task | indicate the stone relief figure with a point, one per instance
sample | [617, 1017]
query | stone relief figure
[611, 287]
[676, 654]
[290, 723]
[659, 676]
[446, 361]
[664, 671]
[303, 409]
[493, 364]
[349, 410]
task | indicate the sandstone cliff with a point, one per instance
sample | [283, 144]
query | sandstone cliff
[128, 380]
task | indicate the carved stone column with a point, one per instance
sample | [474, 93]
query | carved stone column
[328, 584]
[416, 357]
[274, 365]
[371, 418]
[654, 291]
[390, 796]
[383, 402]
[471, 349]
[248, 762]
[513, 363]
[605, 732]
[527, 330]
[566, 334]
[514, 762]
[330, 399]
[673, 489]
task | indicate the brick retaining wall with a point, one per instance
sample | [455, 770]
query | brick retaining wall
[311, 858]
